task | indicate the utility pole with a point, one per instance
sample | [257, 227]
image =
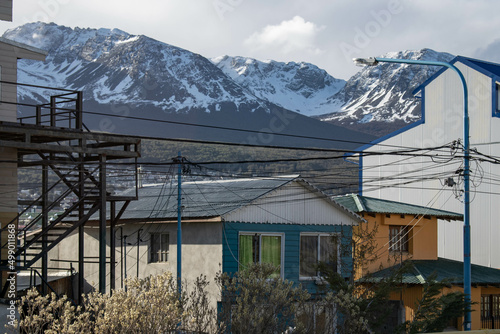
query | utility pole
[179, 227]
[138, 241]
[125, 260]
[466, 169]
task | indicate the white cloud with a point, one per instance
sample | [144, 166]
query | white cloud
[491, 52]
[294, 35]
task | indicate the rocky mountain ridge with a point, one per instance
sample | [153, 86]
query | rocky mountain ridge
[128, 75]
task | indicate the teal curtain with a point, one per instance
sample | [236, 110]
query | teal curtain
[271, 251]
[246, 251]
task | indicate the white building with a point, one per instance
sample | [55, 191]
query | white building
[422, 180]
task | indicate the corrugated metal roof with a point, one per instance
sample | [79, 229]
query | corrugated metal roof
[200, 199]
[360, 204]
[444, 269]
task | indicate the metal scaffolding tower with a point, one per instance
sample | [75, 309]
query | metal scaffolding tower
[73, 163]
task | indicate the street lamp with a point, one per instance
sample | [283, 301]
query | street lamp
[467, 248]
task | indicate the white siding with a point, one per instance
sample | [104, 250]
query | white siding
[443, 124]
[292, 204]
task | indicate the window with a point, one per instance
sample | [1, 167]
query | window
[490, 311]
[316, 248]
[159, 247]
[398, 238]
[498, 96]
[260, 248]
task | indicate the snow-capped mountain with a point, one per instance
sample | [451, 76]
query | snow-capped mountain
[137, 75]
[129, 75]
[111, 66]
[383, 93]
[300, 87]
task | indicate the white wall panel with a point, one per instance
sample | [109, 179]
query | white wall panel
[292, 204]
[443, 124]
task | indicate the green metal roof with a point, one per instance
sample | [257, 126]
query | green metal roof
[451, 270]
[361, 204]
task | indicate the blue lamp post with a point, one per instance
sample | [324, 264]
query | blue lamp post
[466, 241]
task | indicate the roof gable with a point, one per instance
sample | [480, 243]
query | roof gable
[360, 204]
[487, 68]
[297, 202]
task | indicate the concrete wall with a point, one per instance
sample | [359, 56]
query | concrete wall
[9, 54]
[8, 171]
[201, 253]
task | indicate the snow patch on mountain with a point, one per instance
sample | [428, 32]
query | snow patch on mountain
[383, 93]
[112, 66]
[301, 87]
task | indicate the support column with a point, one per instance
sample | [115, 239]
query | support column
[81, 229]
[45, 220]
[179, 224]
[112, 245]
[102, 223]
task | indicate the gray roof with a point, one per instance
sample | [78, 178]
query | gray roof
[359, 204]
[200, 199]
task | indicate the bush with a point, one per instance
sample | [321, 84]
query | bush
[255, 301]
[150, 305]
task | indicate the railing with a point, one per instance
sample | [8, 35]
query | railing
[34, 273]
[490, 322]
[64, 108]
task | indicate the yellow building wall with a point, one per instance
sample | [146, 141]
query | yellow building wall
[412, 294]
[422, 243]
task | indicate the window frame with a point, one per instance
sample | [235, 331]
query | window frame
[401, 245]
[150, 251]
[496, 98]
[267, 234]
[318, 235]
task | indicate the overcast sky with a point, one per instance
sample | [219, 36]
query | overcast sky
[327, 33]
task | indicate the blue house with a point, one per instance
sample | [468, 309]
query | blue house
[292, 225]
